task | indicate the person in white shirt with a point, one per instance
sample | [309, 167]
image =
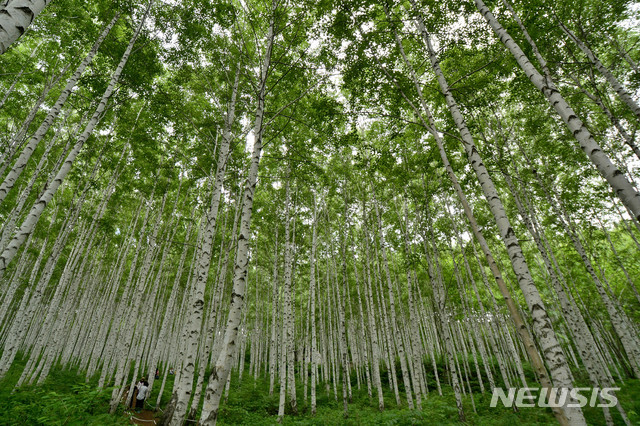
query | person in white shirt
[143, 389]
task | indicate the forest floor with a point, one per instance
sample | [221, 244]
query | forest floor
[65, 398]
[145, 417]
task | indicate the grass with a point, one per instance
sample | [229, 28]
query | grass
[250, 404]
[66, 399]
[63, 399]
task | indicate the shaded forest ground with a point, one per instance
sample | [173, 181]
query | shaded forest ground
[66, 399]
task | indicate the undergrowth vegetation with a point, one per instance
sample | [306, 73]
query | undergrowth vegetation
[66, 398]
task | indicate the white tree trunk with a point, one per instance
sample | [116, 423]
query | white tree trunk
[287, 378]
[396, 339]
[223, 364]
[21, 162]
[373, 329]
[312, 310]
[613, 81]
[556, 360]
[515, 314]
[617, 180]
[15, 18]
[32, 219]
[183, 388]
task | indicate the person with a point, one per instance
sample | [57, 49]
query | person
[135, 392]
[157, 373]
[143, 389]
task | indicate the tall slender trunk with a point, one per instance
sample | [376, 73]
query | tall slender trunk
[342, 329]
[617, 86]
[365, 337]
[551, 348]
[21, 162]
[618, 318]
[223, 363]
[18, 138]
[312, 309]
[373, 329]
[275, 303]
[523, 331]
[439, 301]
[287, 378]
[598, 100]
[616, 179]
[9, 225]
[183, 388]
[32, 219]
[396, 340]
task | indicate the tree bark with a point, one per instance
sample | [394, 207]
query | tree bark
[15, 18]
[21, 162]
[223, 363]
[616, 179]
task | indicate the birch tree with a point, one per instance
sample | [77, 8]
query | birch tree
[15, 18]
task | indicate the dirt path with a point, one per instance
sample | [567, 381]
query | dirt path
[145, 417]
